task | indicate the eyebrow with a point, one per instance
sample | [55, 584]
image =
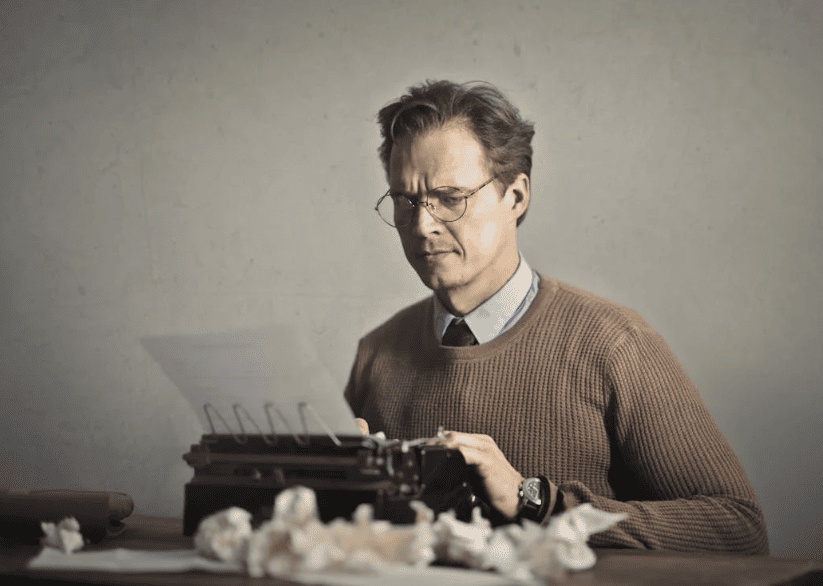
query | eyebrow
[410, 194]
[405, 194]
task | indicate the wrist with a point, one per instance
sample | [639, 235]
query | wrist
[509, 501]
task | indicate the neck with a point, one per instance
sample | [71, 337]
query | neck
[466, 298]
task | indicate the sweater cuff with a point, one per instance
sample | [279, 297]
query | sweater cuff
[558, 505]
[557, 502]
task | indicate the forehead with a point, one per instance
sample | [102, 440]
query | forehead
[449, 155]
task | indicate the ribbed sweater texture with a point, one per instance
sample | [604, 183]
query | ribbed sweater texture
[585, 392]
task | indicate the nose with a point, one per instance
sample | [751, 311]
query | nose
[423, 221]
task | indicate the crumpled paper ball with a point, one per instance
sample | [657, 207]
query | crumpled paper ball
[270, 548]
[296, 506]
[528, 551]
[403, 544]
[64, 536]
[295, 540]
[224, 536]
[460, 542]
[571, 530]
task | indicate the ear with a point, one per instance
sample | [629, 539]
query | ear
[520, 195]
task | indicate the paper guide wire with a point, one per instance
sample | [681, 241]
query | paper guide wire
[303, 409]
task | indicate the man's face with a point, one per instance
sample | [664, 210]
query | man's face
[466, 261]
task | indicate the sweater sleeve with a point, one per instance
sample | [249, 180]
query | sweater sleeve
[351, 392]
[690, 490]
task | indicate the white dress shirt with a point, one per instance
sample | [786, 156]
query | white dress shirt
[500, 312]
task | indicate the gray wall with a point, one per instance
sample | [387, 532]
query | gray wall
[181, 166]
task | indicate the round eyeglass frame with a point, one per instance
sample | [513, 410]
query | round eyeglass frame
[424, 202]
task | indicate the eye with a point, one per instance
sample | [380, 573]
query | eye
[401, 200]
[447, 196]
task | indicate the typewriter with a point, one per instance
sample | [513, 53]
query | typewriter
[248, 470]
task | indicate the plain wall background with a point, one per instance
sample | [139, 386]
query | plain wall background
[183, 166]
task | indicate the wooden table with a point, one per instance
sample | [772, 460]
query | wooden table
[613, 568]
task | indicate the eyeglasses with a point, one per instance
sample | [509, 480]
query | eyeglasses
[447, 204]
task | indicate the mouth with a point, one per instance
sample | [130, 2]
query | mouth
[433, 254]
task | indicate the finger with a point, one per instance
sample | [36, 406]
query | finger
[363, 425]
[486, 460]
[456, 439]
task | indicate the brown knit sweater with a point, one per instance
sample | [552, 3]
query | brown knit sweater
[584, 392]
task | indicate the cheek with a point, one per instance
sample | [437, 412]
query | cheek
[488, 235]
[404, 240]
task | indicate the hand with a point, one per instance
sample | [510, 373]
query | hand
[501, 480]
[363, 425]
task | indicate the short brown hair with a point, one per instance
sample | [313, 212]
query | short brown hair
[495, 121]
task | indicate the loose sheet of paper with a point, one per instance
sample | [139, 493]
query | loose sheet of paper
[124, 560]
[260, 381]
[129, 560]
[294, 544]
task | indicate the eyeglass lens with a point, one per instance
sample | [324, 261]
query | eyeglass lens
[446, 204]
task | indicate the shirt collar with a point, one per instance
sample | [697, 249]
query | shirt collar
[488, 319]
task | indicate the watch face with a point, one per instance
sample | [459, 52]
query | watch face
[531, 489]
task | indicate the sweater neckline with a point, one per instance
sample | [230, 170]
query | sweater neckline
[547, 291]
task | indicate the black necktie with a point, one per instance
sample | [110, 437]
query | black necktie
[458, 334]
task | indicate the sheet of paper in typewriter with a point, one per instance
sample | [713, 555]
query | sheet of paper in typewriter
[257, 381]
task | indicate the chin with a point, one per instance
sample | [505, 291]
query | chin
[436, 277]
[438, 283]
[429, 282]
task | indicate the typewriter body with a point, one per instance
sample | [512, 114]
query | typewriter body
[248, 471]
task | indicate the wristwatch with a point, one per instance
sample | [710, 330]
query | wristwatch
[531, 499]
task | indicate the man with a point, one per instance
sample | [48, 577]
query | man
[559, 397]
